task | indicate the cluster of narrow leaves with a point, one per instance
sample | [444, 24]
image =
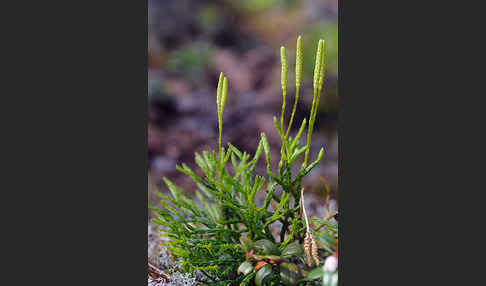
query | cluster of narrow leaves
[230, 227]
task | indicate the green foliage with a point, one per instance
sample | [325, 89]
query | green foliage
[259, 5]
[208, 17]
[191, 60]
[229, 238]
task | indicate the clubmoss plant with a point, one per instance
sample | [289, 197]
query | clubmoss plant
[229, 238]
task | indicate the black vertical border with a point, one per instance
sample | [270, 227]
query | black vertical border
[83, 200]
[388, 62]
[340, 143]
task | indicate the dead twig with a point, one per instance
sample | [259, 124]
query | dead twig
[156, 273]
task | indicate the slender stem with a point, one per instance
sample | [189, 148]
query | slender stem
[293, 112]
[297, 194]
[312, 119]
[284, 229]
[283, 137]
[309, 132]
[284, 94]
[219, 141]
[303, 208]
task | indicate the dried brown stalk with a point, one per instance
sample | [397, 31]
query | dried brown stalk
[314, 251]
[307, 249]
[328, 194]
[156, 273]
[310, 245]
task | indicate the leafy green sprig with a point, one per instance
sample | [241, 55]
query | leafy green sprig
[290, 147]
[207, 237]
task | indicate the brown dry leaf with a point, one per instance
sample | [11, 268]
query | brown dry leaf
[260, 264]
[274, 205]
[156, 273]
[249, 254]
[328, 194]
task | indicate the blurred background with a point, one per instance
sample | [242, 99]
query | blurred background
[192, 41]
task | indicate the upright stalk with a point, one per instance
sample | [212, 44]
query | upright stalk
[318, 80]
[298, 79]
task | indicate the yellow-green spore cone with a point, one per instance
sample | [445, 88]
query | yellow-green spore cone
[298, 79]
[298, 62]
[285, 68]
[224, 94]
[220, 100]
[317, 67]
[219, 92]
[323, 64]
[315, 100]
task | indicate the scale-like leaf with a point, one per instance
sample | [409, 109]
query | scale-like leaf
[245, 268]
[262, 274]
[265, 246]
[289, 273]
[293, 249]
[266, 148]
[235, 150]
[315, 273]
[296, 154]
